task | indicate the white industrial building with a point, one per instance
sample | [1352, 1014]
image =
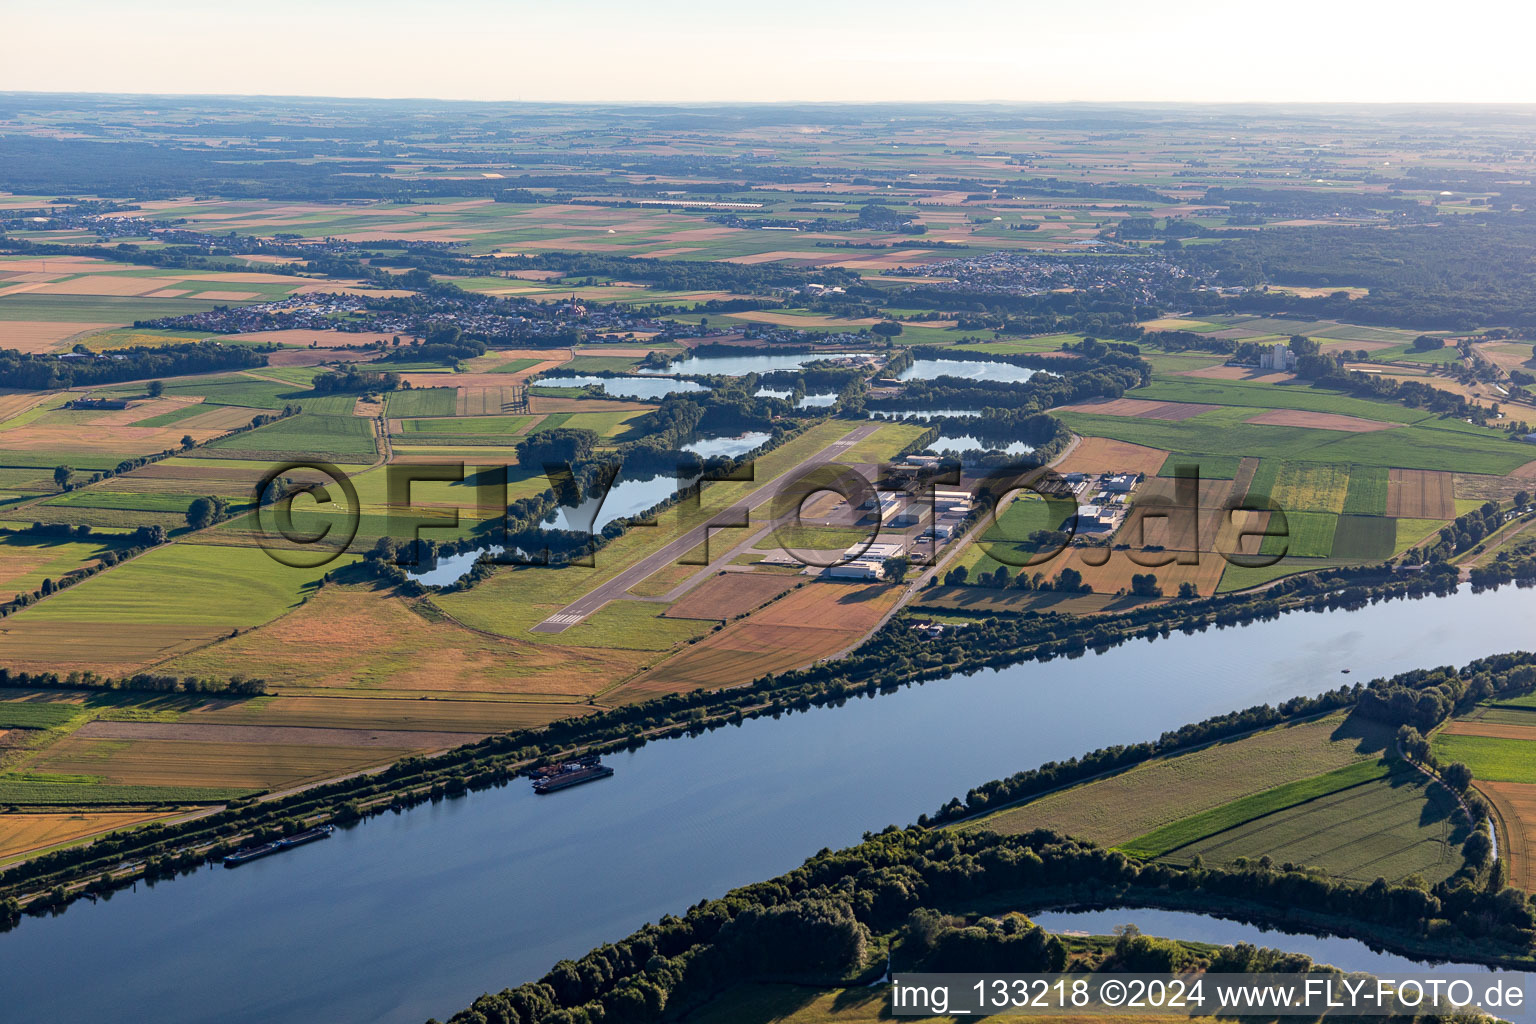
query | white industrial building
[858, 569]
[1278, 357]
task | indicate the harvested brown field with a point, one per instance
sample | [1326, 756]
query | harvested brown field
[434, 713]
[195, 763]
[108, 647]
[1142, 408]
[728, 595]
[1421, 494]
[1506, 355]
[1224, 372]
[1525, 472]
[1319, 421]
[1499, 730]
[540, 404]
[34, 336]
[1102, 455]
[988, 602]
[457, 380]
[22, 833]
[1352, 346]
[23, 561]
[205, 732]
[489, 401]
[59, 265]
[137, 411]
[108, 284]
[791, 320]
[316, 356]
[887, 261]
[14, 403]
[1157, 518]
[781, 254]
[814, 622]
[41, 435]
[346, 289]
[1514, 803]
[317, 646]
[1115, 573]
[224, 296]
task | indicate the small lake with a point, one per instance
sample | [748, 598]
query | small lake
[970, 369]
[806, 401]
[413, 915]
[450, 567]
[729, 447]
[1345, 953]
[964, 443]
[922, 414]
[625, 387]
[627, 497]
[741, 365]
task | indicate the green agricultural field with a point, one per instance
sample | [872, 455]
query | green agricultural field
[127, 501]
[635, 626]
[583, 364]
[1436, 444]
[1406, 354]
[1257, 396]
[70, 794]
[1493, 758]
[1503, 713]
[30, 715]
[328, 405]
[1367, 495]
[1001, 542]
[1391, 827]
[1310, 535]
[473, 425]
[342, 438]
[1364, 538]
[165, 419]
[1209, 467]
[250, 392]
[1412, 532]
[609, 425]
[1045, 343]
[99, 309]
[422, 402]
[1181, 833]
[1132, 803]
[184, 584]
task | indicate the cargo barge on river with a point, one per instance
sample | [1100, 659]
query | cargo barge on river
[251, 853]
[570, 773]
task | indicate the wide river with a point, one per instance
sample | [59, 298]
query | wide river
[414, 915]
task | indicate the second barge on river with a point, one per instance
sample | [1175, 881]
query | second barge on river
[571, 773]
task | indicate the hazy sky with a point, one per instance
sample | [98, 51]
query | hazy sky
[1197, 50]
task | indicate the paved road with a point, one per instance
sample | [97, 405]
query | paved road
[616, 587]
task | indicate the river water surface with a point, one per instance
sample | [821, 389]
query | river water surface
[414, 915]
